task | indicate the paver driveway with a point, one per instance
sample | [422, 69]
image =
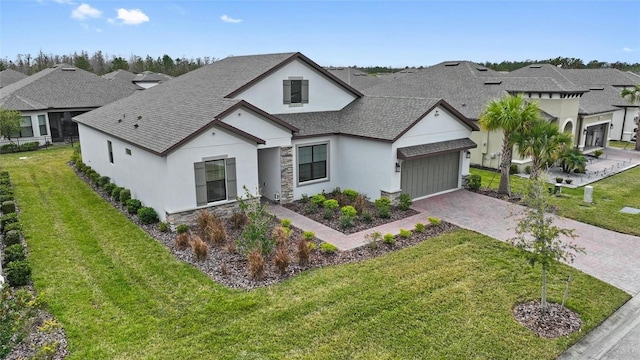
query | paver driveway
[610, 256]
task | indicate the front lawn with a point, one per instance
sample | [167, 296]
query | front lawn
[609, 196]
[120, 294]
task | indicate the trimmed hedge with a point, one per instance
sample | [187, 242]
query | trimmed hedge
[148, 215]
[18, 273]
[8, 207]
[15, 252]
[12, 237]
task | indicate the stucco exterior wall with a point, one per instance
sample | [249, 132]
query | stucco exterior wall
[366, 166]
[324, 94]
[335, 157]
[269, 172]
[272, 133]
[623, 125]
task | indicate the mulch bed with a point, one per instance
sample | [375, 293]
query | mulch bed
[556, 322]
[359, 225]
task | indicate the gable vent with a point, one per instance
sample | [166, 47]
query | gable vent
[596, 88]
[535, 66]
[452, 64]
[68, 69]
[481, 69]
[493, 82]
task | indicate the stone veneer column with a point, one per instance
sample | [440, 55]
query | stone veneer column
[286, 174]
[393, 196]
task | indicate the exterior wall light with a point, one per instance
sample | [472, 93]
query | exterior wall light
[397, 167]
[467, 154]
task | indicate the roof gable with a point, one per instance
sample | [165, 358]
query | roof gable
[9, 76]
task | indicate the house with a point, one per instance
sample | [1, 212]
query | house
[355, 78]
[49, 99]
[148, 79]
[9, 76]
[278, 125]
[124, 77]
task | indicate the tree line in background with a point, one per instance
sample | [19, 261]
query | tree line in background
[101, 63]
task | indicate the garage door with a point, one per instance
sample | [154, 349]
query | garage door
[431, 174]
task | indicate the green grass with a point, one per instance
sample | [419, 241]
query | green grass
[121, 295]
[622, 144]
[609, 196]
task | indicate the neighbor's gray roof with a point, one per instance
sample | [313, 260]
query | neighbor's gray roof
[418, 151]
[542, 77]
[356, 78]
[609, 76]
[601, 99]
[180, 108]
[376, 117]
[61, 87]
[9, 76]
[124, 77]
[148, 76]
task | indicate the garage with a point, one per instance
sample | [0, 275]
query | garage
[432, 168]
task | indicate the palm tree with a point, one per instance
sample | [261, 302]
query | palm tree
[541, 140]
[571, 158]
[633, 96]
[507, 114]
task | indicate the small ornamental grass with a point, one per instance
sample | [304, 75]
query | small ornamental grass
[308, 235]
[256, 265]
[419, 228]
[328, 248]
[373, 239]
[282, 260]
[389, 239]
[238, 220]
[199, 247]
[182, 241]
[286, 223]
[303, 252]
[434, 221]
[405, 234]
[211, 228]
[280, 236]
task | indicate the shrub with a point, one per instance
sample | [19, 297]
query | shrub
[434, 221]
[346, 221]
[360, 203]
[419, 228]
[18, 273]
[405, 234]
[527, 169]
[12, 226]
[7, 219]
[328, 214]
[238, 219]
[8, 207]
[103, 180]
[163, 226]
[384, 212]
[125, 194]
[310, 208]
[30, 146]
[80, 165]
[15, 252]
[108, 188]
[256, 234]
[256, 265]
[182, 228]
[308, 235]
[598, 153]
[405, 202]
[366, 216]
[304, 198]
[559, 180]
[318, 199]
[199, 247]
[115, 194]
[94, 177]
[6, 190]
[182, 241]
[285, 223]
[475, 181]
[147, 215]
[351, 194]
[304, 251]
[382, 202]
[389, 239]
[12, 237]
[311, 245]
[9, 148]
[133, 205]
[328, 248]
[282, 260]
[568, 181]
[7, 197]
[349, 211]
[373, 239]
[280, 236]
[513, 169]
[331, 204]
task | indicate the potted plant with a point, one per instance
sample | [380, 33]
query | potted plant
[568, 181]
[559, 180]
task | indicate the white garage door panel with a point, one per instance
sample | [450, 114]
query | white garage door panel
[430, 175]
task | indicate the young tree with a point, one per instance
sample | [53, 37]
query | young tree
[541, 140]
[633, 96]
[539, 237]
[9, 123]
[507, 114]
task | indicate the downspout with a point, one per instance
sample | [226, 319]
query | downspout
[580, 121]
[624, 119]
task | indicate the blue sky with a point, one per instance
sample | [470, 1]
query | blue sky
[339, 33]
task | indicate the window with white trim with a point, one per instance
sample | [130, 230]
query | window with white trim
[42, 123]
[312, 162]
[295, 91]
[215, 180]
[26, 128]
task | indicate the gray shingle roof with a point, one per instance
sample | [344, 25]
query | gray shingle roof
[417, 151]
[9, 76]
[541, 76]
[174, 112]
[61, 87]
[148, 76]
[356, 78]
[124, 77]
[376, 117]
[612, 77]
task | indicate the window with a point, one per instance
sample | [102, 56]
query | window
[312, 162]
[127, 151]
[215, 180]
[295, 91]
[26, 128]
[110, 147]
[42, 123]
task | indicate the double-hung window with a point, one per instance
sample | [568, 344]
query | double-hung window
[312, 162]
[42, 123]
[295, 91]
[26, 128]
[215, 180]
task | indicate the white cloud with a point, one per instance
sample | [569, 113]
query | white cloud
[626, 49]
[85, 11]
[227, 19]
[68, 2]
[130, 17]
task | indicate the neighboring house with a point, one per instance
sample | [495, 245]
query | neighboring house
[276, 122]
[124, 77]
[355, 78]
[50, 98]
[9, 76]
[148, 79]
